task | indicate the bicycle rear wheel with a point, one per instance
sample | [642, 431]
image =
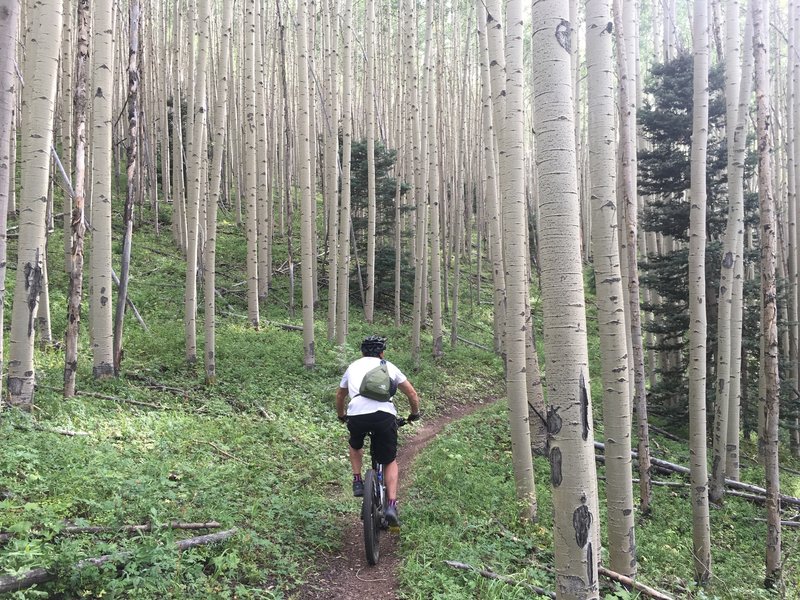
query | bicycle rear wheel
[370, 511]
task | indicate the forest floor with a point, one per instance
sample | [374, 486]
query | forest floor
[345, 574]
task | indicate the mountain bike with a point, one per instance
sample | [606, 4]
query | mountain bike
[373, 506]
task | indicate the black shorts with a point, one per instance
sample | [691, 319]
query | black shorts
[383, 427]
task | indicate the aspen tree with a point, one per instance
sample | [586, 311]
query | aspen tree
[795, 140]
[738, 386]
[66, 118]
[769, 328]
[38, 100]
[629, 258]
[100, 315]
[369, 306]
[610, 299]
[251, 181]
[9, 28]
[343, 283]
[433, 195]
[210, 261]
[178, 184]
[490, 186]
[133, 171]
[515, 259]
[701, 526]
[570, 413]
[77, 219]
[196, 186]
[262, 215]
[734, 81]
[304, 166]
[332, 159]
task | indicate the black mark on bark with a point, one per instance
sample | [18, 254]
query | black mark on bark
[564, 35]
[582, 523]
[555, 467]
[33, 287]
[584, 395]
[727, 260]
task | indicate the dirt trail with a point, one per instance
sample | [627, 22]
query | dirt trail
[346, 574]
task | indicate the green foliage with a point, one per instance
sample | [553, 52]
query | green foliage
[462, 507]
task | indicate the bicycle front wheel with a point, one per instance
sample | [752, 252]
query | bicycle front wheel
[371, 511]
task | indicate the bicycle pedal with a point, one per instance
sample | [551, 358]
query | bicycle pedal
[394, 528]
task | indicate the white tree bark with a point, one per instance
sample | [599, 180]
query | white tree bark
[210, 259]
[100, 314]
[304, 167]
[516, 258]
[769, 323]
[701, 525]
[343, 283]
[9, 30]
[38, 99]
[570, 413]
[608, 277]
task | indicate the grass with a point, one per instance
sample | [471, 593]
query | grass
[262, 451]
[462, 508]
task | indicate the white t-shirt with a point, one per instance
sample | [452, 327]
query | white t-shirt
[352, 379]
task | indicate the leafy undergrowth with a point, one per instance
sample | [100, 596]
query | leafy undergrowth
[461, 507]
[261, 450]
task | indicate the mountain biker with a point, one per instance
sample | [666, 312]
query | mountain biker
[364, 415]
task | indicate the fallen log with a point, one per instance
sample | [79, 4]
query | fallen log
[118, 399]
[71, 529]
[492, 575]
[67, 432]
[628, 582]
[285, 326]
[12, 583]
[737, 485]
[783, 523]
[473, 344]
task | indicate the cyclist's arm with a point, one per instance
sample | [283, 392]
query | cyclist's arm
[341, 396]
[411, 394]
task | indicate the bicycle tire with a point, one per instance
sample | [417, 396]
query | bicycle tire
[371, 510]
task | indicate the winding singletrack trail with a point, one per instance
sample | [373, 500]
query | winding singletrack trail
[346, 575]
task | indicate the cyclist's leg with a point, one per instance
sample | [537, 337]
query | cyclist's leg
[390, 476]
[356, 459]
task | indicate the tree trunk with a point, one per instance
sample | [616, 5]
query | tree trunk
[369, 306]
[701, 526]
[251, 179]
[304, 164]
[210, 260]
[433, 194]
[490, 183]
[39, 96]
[737, 94]
[100, 314]
[9, 29]
[133, 171]
[570, 414]
[77, 220]
[343, 283]
[608, 277]
[769, 328]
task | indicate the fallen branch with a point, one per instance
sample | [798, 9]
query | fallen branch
[628, 582]
[285, 326]
[473, 344]
[667, 434]
[736, 485]
[220, 450]
[503, 578]
[117, 399]
[72, 529]
[58, 431]
[130, 303]
[12, 583]
[783, 523]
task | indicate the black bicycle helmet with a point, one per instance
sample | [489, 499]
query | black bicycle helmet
[373, 345]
